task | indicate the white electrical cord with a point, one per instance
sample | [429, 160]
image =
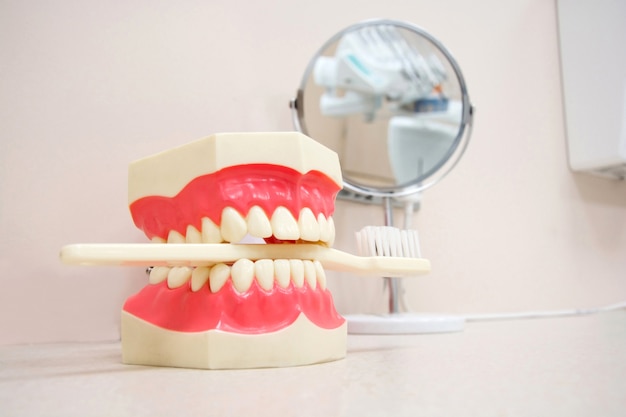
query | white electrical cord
[458, 319]
[403, 320]
[545, 314]
[523, 315]
[419, 323]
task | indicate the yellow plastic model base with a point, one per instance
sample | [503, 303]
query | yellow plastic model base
[165, 173]
[302, 343]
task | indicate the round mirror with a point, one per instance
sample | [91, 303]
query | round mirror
[391, 101]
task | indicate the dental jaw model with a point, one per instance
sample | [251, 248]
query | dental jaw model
[215, 303]
[250, 313]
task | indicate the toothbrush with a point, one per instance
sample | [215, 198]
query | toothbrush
[389, 242]
[204, 254]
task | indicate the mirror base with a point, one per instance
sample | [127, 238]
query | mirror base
[403, 323]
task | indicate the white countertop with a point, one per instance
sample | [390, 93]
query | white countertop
[572, 366]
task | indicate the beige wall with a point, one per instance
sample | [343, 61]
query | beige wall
[86, 87]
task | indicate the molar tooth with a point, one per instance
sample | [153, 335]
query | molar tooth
[242, 274]
[309, 274]
[296, 268]
[281, 271]
[193, 235]
[264, 272]
[324, 228]
[321, 274]
[175, 237]
[218, 276]
[233, 226]
[199, 277]
[309, 229]
[210, 231]
[158, 274]
[258, 223]
[284, 225]
[157, 239]
[178, 276]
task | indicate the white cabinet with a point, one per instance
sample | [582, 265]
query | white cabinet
[592, 35]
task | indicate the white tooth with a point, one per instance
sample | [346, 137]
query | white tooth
[309, 274]
[281, 270]
[199, 277]
[321, 274]
[309, 229]
[324, 228]
[297, 272]
[157, 239]
[210, 231]
[178, 276]
[284, 225]
[175, 237]
[158, 274]
[218, 276]
[233, 226]
[331, 226]
[264, 272]
[258, 223]
[242, 274]
[193, 235]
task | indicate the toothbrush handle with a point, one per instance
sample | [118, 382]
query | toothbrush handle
[204, 254]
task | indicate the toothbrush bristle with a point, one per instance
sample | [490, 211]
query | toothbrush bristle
[388, 241]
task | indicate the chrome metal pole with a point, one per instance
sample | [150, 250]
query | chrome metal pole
[392, 283]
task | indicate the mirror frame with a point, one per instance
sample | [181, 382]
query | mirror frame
[453, 155]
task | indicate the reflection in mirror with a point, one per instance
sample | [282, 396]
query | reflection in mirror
[391, 101]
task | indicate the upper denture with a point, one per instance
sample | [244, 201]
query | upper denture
[242, 200]
[220, 188]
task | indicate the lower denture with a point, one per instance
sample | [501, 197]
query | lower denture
[253, 312]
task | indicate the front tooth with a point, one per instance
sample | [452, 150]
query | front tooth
[331, 226]
[297, 272]
[210, 231]
[233, 226]
[258, 223]
[242, 274]
[199, 277]
[178, 276]
[327, 229]
[157, 239]
[324, 228]
[309, 229]
[281, 271]
[193, 235]
[264, 272]
[175, 237]
[158, 274]
[309, 273]
[321, 274]
[218, 276]
[284, 225]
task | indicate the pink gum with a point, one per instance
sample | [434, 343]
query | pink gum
[253, 312]
[240, 187]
